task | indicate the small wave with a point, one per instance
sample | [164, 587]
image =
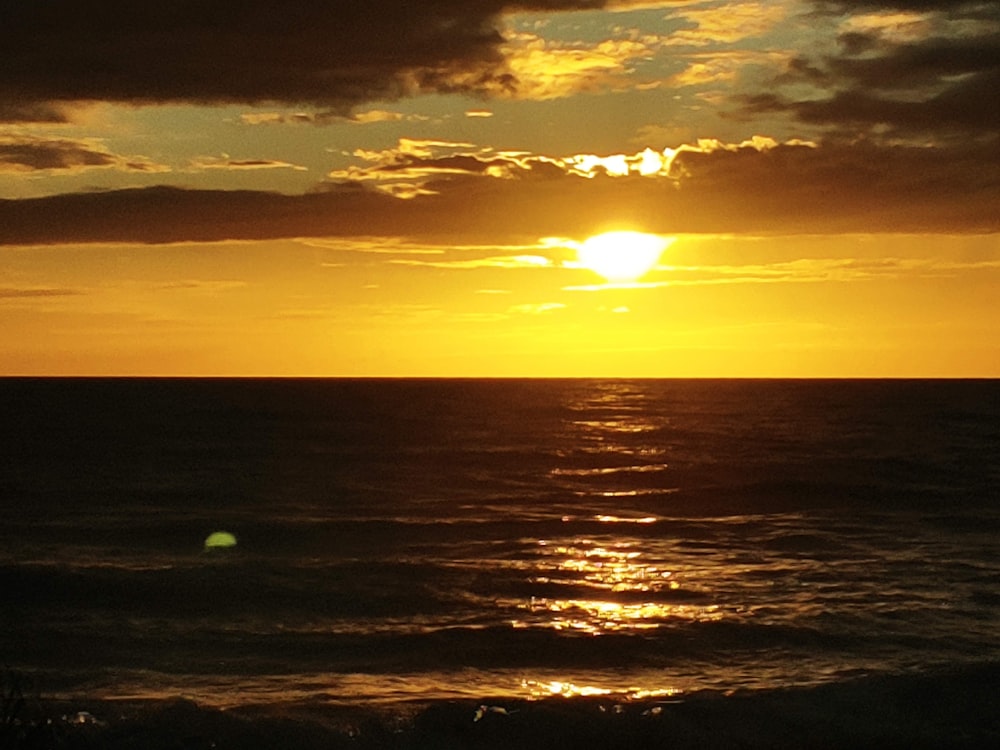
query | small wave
[955, 708]
[607, 470]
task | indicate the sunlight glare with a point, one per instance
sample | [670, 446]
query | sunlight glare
[622, 256]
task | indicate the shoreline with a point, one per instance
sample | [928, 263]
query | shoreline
[959, 708]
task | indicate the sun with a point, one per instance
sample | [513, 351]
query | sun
[621, 257]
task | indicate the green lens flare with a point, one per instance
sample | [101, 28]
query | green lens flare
[220, 540]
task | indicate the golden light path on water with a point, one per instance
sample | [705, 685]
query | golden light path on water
[619, 576]
[570, 690]
[623, 581]
[230, 691]
[632, 593]
[621, 571]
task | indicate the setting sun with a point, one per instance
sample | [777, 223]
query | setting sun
[622, 256]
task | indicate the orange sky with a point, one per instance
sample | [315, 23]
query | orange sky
[382, 189]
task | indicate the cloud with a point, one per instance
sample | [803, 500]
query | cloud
[846, 187]
[33, 292]
[226, 163]
[499, 261]
[205, 286]
[725, 66]
[906, 69]
[276, 118]
[811, 270]
[914, 5]
[964, 108]
[33, 112]
[335, 54]
[541, 69]
[758, 186]
[800, 271]
[919, 63]
[424, 167]
[728, 23]
[540, 308]
[367, 117]
[376, 115]
[405, 170]
[36, 153]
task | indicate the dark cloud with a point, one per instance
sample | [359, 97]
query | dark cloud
[31, 155]
[785, 189]
[935, 83]
[919, 63]
[972, 6]
[855, 187]
[962, 109]
[225, 163]
[26, 154]
[169, 214]
[328, 52]
[32, 112]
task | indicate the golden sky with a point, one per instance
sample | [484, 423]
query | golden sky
[388, 188]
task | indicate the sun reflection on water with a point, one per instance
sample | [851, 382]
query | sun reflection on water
[616, 576]
[564, 689]
[612, 586]
[632, 425]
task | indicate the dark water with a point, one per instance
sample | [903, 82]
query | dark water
[431, 540]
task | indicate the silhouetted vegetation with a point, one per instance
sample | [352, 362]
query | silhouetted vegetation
[23, 723]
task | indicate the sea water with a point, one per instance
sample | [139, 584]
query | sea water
[403, 541]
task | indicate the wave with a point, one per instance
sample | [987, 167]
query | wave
[448, 534]
[943, 708]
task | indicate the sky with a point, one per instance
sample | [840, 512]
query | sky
[385, 188]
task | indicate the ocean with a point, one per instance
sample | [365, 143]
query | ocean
[419, 561]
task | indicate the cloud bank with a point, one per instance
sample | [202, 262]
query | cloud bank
[331, 53]
[902, 68]
[755, 187]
